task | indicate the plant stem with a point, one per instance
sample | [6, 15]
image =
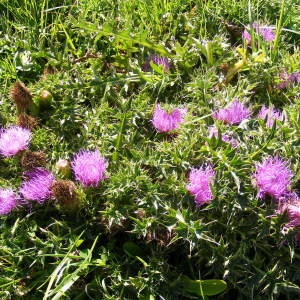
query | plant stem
[278, 30]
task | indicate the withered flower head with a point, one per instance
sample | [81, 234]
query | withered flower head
[140, 213]
[161, 235]
[26, 121]
[21, 95]
[49, 70]
[64, 191]
[31, 160]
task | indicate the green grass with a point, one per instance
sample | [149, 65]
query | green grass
[139, 234]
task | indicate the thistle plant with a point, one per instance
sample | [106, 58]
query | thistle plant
[187, 183]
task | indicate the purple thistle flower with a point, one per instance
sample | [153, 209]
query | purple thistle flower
[286, 80]
[255, 26]
[199, 184]
[159, 61]
[8, 201]
[283, 75]
[213, 131]
[266, 32]
[13, 140]
[227, 139]
[235, 113]
[271, 114]
[38, 186]
[247, 37]
[294, 77]
[272, 177]
[89, 167]
[164, 121]
[283, 84]
[290, 204]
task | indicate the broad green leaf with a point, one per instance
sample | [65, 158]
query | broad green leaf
[132, 249]
[209, 287]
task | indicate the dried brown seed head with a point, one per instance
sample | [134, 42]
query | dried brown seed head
[26, 121]
[49, 70]
[32, 159]
[140, 213]
[161, 235]
[65, 193]
[21, 95]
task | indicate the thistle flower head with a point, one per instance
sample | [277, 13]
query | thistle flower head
[164, 121]
[89, 167]
[199, 184]
[213, 131]
[8, 201]
[294, 77]
[290, 204]
[272, 177]
[158, 60]
[246, 36]
[21, 95]
[13, 140]
[283, 75]
[230, 140]
[270, 114]
[285, 79]
[234, 113]
[266, 32]
[38, 186]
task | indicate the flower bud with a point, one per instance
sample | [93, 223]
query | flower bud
[63, 167]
